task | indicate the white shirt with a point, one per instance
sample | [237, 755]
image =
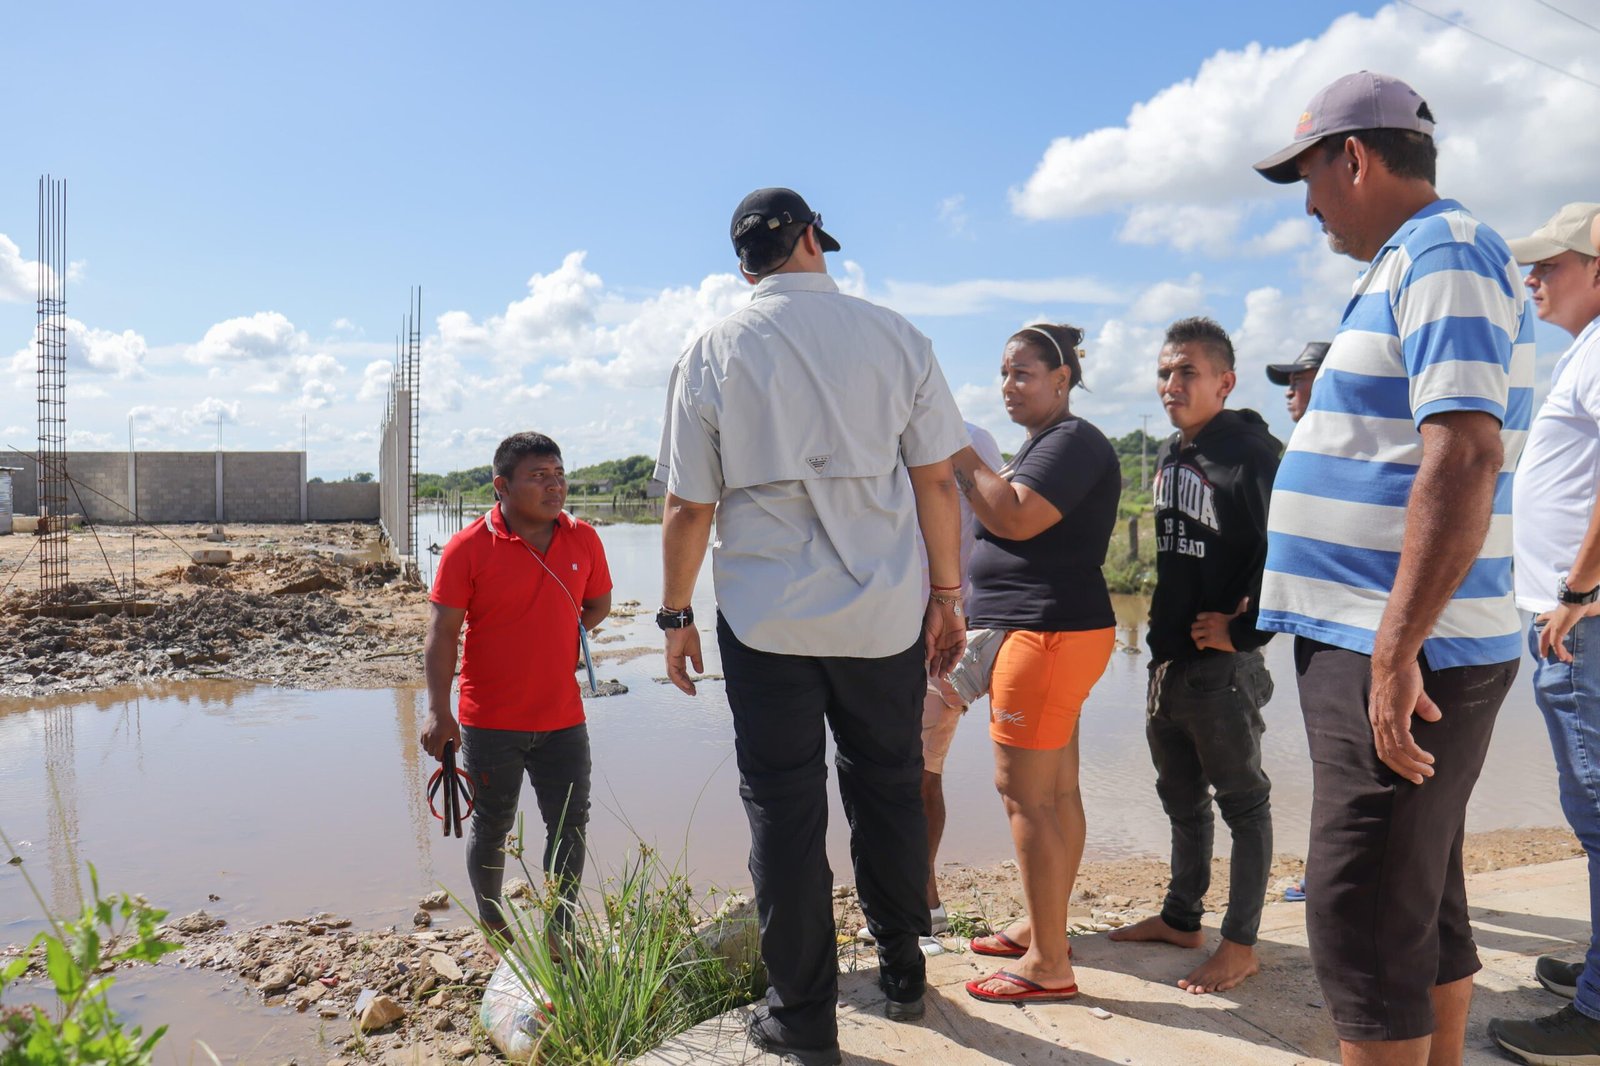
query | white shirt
[1556, 484]
[983, 443]
[798, 415]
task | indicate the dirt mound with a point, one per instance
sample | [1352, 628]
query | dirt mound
[188, 633]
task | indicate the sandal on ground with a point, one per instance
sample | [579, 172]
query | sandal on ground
[1008, 949]
[1032, 992]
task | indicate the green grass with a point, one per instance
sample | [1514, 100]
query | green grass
[631, 972]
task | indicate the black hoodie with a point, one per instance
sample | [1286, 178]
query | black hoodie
[1211, 531]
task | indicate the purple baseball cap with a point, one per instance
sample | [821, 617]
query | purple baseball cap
[1360, 101]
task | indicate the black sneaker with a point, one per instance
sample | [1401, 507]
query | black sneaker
[1559, 977]
[1565, 1038]
[766, 1033]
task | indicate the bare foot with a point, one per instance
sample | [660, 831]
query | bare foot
[1154, 929]
[1229, 965]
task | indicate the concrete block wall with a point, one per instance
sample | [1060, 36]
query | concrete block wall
[182, 487]
[343, 501]
[101, 483]
[261, 486]
[24, 483]
[172, 486]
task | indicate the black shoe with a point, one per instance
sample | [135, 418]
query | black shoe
[1565, 1038]
[904, 1010]
[903, 1000]
[1559, 977]
[766, 1033]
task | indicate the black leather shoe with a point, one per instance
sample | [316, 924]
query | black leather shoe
[1559, 977]
[766, 1033]
[1566, 1038]
[903, 1000]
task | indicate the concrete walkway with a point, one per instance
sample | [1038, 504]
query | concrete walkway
[1275, 1018]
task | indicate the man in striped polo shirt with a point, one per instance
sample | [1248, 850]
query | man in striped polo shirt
[1389, 559]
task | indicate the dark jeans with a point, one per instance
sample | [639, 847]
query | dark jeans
[557, 762]
[1386, 896]
[1204, 727]
[781, 705]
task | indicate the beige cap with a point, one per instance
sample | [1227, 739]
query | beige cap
[1567, 231]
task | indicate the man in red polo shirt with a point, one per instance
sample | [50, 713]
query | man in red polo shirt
[521, 577]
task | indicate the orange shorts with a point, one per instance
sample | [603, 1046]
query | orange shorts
[1040, 682]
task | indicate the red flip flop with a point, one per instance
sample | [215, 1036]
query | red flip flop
[1009, 948]
[1031, 992]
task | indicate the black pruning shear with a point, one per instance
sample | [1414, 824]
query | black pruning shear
[458, 792]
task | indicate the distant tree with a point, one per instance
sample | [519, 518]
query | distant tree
[362, 478]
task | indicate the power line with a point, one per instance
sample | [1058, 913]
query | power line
[1499, 44]
[1568, 15]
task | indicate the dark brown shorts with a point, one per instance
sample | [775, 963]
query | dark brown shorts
[1386, 900]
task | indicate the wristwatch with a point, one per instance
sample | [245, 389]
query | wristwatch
[1566, 595]
[667, 618]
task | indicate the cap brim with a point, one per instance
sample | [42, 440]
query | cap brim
[828, 243]
[1278, 373]
[1529, 250]
[1279, 166]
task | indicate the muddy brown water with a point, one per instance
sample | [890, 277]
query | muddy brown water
[284, 802]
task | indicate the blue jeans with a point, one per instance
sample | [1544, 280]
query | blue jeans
[1569, 696]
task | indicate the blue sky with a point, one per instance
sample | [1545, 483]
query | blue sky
[253, 190]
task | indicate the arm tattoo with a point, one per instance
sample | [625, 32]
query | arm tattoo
[965, 484]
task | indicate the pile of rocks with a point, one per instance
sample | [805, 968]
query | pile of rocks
[393, 989]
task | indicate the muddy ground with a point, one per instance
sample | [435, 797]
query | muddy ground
[300, 606]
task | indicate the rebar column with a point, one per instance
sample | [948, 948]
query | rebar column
[51, 339]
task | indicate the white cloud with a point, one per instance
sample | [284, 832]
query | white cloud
[19, 277]
[1168, 300]
[263, 336]
[953, 215]
[89, 350]
[1286, 236]
[1186, 227]
[977, 295]
[1192, 143]
[375, 381]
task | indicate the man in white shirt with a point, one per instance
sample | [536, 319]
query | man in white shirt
[1556, 535]
[817, 428]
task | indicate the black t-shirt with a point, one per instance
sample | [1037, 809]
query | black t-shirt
[1052, 582]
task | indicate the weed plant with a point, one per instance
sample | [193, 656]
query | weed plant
[623, 970]
[79, 956]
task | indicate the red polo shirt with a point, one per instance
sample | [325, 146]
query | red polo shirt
[522, 633]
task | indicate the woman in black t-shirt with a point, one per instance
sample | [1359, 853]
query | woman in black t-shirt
[1045, 521]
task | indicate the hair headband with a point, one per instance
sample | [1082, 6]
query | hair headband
[1061, 356]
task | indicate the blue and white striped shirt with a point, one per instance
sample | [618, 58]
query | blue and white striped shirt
[1438, 322]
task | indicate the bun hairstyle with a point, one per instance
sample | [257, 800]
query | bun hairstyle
[1057, 344]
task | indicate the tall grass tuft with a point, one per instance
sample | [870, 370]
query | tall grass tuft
[626, 970]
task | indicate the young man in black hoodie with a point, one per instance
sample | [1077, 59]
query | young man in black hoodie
[1208, 682]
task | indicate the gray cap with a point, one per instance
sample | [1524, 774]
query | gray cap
[1567, 231]
[1360, 101]
[1309, 359]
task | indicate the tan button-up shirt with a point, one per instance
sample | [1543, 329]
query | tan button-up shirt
[797, 416]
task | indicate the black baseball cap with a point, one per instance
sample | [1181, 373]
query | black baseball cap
[771, 209]
[1310, 359]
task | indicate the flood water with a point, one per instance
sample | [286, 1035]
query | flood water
[284, 803]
